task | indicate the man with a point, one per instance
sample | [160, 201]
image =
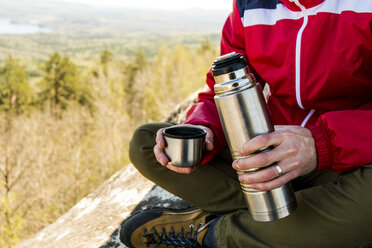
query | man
[316, 55]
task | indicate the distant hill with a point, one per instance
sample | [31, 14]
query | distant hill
[67, 16]
[82, 31]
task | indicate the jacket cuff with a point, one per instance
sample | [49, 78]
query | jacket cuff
[323, 146]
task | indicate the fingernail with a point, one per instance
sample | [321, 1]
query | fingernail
[235, 164]
[242, 179]
[240, 152]
[163, 162]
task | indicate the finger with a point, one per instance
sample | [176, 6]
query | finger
[160, 138]
[209, 139]
[276, 183]
[263, 175]
[160, 155]
[281, 127]
[271, 172]
[260, 142]
[183, 170]
[263, 159]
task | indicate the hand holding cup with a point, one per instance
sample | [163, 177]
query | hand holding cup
[181, 148]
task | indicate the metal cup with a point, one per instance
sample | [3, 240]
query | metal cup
[184, 145]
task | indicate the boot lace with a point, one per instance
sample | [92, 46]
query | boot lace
[181, 239]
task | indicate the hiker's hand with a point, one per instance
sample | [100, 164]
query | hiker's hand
[293, 151]
[163, 159]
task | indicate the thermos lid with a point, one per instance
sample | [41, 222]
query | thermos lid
[228, 63]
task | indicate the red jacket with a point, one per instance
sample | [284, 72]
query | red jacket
[316, 55]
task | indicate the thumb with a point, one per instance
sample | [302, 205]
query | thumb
[209, 139]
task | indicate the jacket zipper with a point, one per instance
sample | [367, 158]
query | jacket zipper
[298, 61]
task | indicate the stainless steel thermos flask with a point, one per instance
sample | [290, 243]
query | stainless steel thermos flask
[244, 115]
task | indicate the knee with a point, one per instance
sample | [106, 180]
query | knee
[141, 147]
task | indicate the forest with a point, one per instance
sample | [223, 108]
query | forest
[66, 131]
[71, 98]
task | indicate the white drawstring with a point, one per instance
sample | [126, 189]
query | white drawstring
[298, 55]
[307, 117]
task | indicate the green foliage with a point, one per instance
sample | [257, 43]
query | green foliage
[134, 87]
[106, 57]
[174, 74]
[153, 87]
[15, 91]
[61, 83]
[206, 46]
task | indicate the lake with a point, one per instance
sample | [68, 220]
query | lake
[7, 27]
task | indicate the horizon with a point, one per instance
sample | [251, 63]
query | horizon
[158, 5]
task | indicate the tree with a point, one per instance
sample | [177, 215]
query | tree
[61, 83]
[15, 91]
[134, 83]
[106, 59]
[11, 222]
[206, 46]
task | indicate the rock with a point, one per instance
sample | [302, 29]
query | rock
[91, 222]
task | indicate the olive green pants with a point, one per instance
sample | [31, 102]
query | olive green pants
[334, 210]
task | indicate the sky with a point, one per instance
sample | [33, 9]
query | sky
[158, 4]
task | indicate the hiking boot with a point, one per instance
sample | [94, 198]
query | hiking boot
[166, 228]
